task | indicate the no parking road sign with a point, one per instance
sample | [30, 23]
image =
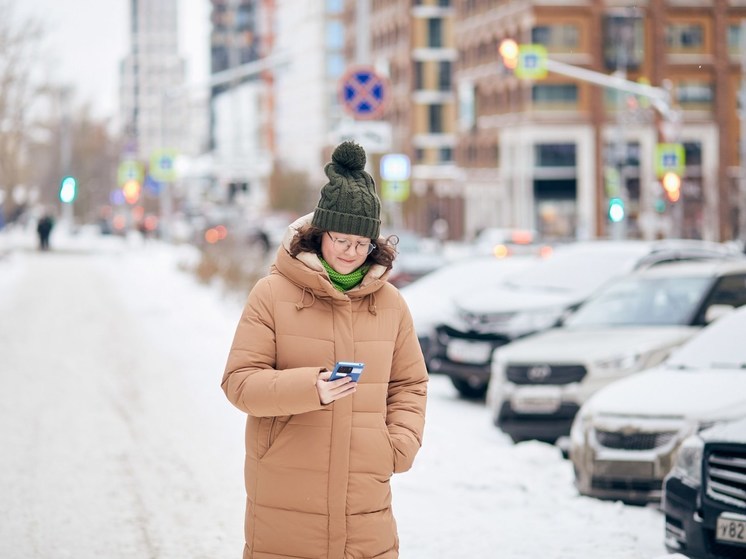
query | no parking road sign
[363, 92]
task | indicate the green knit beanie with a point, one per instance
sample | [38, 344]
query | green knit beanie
[349, 203]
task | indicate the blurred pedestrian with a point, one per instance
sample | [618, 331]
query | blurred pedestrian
[320, 454]
[44, 230]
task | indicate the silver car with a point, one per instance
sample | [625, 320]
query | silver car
[625, 439]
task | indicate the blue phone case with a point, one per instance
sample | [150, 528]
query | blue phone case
[345, 368]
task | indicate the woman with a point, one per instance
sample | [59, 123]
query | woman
[320, 453]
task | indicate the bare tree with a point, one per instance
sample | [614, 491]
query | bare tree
[20, 44]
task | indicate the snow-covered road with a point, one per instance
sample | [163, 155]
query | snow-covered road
[116, 441]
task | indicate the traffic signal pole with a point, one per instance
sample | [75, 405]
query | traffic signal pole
[660, 97]
[532, 62]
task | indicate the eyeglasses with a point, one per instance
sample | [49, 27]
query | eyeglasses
[343, 245]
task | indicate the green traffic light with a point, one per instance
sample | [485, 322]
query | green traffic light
[616, 210]
[68, 190]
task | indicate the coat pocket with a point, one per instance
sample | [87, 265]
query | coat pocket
[371, 447]
[269, 431]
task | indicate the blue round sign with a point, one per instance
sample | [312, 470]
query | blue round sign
[363, 92]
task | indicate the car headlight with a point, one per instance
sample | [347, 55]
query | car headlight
[689, 459]
[577, 431]
[618, 363]
[534, 320]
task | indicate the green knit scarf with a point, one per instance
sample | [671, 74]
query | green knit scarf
[345, 282]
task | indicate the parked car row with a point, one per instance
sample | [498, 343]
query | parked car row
[539, 383]
[537, 298]
[626, 354]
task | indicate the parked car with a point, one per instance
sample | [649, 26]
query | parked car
[430, 298]
[536, 297]
[417, 257]
[704, 495]
[538, 384]
[625, 437]
[501, 243]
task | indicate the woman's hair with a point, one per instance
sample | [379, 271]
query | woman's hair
[308, 239]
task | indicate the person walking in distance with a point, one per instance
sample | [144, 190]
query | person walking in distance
[44, 230]
[320, 454]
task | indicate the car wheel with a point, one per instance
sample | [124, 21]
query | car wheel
[467, 390]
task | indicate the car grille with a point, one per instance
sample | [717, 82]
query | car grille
[725, 474]
[613, 484]
[471, 335]
[541, 373]
[633, 441]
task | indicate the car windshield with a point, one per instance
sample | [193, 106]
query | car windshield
[571, 270]
[643, 301]
[719, 345]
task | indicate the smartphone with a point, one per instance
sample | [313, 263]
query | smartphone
[344, 368]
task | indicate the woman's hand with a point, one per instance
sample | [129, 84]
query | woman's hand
[334, 390]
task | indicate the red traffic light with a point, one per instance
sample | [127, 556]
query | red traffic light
[131, 190]
[672, 185]
[509, 52]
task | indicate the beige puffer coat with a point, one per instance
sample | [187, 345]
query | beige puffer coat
[317, 477]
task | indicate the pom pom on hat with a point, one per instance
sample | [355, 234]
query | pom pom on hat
[349, 203]
[349, 155]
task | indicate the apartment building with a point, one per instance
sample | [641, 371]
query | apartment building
[536, 153]
[151, 117]
[412, 42]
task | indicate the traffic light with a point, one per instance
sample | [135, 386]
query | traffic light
[131, 190]
[68, 190]
[509, 52]
[616, 210]
[672, 185]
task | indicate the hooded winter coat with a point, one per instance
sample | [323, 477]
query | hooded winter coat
[317, 476]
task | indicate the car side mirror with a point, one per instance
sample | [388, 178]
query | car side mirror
[714, 312]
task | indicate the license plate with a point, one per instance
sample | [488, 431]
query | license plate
[731, 528]
[536, 399]
[463, 351]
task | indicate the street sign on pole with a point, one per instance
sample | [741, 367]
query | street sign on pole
[363, 92]
[162, 166]
[532, 62]
[395, 191]
[669, 158]
[128, 170]
[395, 167]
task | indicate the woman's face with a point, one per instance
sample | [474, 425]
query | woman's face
[344, 253]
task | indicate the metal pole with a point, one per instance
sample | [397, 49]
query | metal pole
[65, 154]
[362, 31]
[742, 114]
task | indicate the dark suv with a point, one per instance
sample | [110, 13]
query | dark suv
[536, 297]
[704, 496]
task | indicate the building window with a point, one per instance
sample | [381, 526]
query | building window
[555, 155]
[419, 75]
[435, 33]
[563, 95]
[435, 118]
[695, 95]
[685, 37]
[692, 154]
[734, 39]
[335, 35]
[444, 3]
[335, 65]
[624, 42]
[444, 76]
[560, 38]
[419, 154]
[446, 155]
[334, 6]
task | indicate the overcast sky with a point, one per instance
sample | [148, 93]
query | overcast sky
[87, 39]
